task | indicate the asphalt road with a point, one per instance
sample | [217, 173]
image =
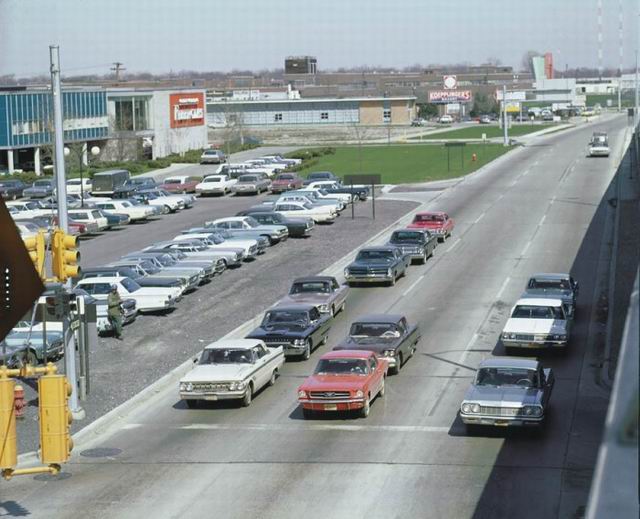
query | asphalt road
[538, 209]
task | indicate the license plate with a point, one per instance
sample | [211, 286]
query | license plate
[330, 407]
[211, 397]
[501, 422]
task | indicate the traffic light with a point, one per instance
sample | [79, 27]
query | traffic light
[65, 256]
[55, 419]
[35, 247]
[8, 442]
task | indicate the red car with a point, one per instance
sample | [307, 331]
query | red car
[285, 182]
[343, 380]
[180, 184]
[436, 222]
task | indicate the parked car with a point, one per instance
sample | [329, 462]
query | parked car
[135, 213]
[140, 183]
[299, 329]
[90, 215]
[265, 166]
[180, 184]
[418, 244]
[537, 323]
[27, 209]
[312, 198]
[343, 381]
[247, 248]
[253, 184]
[231, 370]
[167, 262]
[188, 277]
[212, 157]
[324, 292]
[249, 226]
[508, 392]
[30, 348]
[384, 264]
[116, 219]
[297, 227]
[321, 195]
[284, 160]
[485, 119]
[137, 274]
[418, 121]
[12, 189]
[436, 222]
[390, 337]
[286, 182]
[148, 299]
[445, 119]
[316, 176]
[320, 214]
[185, 201]
[333, 187]
[215, 185]
[556, 286]
[195, 249]
[40, 189]
[217, 263]
[77, 186]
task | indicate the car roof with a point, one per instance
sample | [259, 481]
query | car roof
[349, 354]
[314, 278]
[379, 247]
[233, 343]
[106, 279]
[296, 307]
[379, 318]
[539, 301]
[407, 229]
[550, 276]
[509, 362]
[430, 213]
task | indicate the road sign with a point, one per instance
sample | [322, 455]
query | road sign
[362, 179]
[20, 284]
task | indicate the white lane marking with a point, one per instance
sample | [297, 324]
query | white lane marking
[479, 218]
[544, 216]
[453, 245]
[513, 183]
[128, 426]
[500, 197]
[526, 248]
[313, 427]
[413, 285]
[526, 171]
[502, 288]
[473, 339]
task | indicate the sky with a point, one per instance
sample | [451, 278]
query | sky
[171, 35]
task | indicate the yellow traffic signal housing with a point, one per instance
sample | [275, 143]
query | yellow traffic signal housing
[65, 256]
[36, 248]
[8, 442]
[55, 419]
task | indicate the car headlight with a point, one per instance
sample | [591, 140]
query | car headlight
[302, 394]
[532, 410]
[389, 272]
[506, 335]
[346, 272]
[236, 386]
[389, 353]
[470, 408]
[186, 386]
[563, 337]
[299, 342]
[466, 408]
[359, 394]
[323, 308]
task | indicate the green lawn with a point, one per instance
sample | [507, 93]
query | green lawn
[407, 163]
[475, 132]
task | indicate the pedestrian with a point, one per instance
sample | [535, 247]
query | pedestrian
[115, 312]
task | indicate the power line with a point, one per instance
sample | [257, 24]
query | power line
[117, 68]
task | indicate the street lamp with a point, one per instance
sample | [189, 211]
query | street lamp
[95, 150]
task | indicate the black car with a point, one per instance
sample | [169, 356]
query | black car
[417, 243]
[12, 189]
[298, 227]
[377, 265]
[297, 328]
[320, 175]
[139, 183]
[389, 336]
[143, 281]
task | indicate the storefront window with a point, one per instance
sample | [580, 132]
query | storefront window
[124, 115]
[140, 110]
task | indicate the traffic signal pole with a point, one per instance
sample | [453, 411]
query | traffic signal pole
[63, 222]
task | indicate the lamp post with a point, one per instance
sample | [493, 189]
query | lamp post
[79, 152]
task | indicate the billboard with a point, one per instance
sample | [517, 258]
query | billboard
[449, 96]
[186, 109]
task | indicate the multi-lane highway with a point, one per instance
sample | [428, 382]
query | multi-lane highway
[538, 209]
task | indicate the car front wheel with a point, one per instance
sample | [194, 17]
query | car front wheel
[248, 396]
[306, 355]
[364, 412]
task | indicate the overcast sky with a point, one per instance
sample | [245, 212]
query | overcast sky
[163, 35]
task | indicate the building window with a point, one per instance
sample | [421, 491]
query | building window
[277, 117]
[131, 115]
[386, 115]
[324, 116]
[140, 114]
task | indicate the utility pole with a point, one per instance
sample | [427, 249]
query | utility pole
[117, 68]
[636, 104]
[61, 197]
[504, 115]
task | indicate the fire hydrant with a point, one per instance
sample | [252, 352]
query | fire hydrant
[18, 401]
[474, 157]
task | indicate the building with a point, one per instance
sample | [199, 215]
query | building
[366, 111]
[26, 128]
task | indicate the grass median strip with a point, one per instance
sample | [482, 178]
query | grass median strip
[407, 163]
[491, 131]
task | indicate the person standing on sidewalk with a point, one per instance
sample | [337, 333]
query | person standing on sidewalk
[115, 311]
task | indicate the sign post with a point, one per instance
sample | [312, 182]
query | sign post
[365, 179]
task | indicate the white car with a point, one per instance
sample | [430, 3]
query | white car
[283, 160]
[249, 247]
[90, 215]
[231, 369]
[316, 199]
[134, 212]
[28, 209]
[537, 323]
[75, 186]
[148, 299]
[264, 167]
[294, 209]
[345, 198]
[215, 185]
[445, 119]
[185, 200]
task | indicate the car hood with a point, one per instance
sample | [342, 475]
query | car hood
[217, 372]
[425, 225]
[309, 298]
[281, 329]
[334, 383]
[507, 396]
[519, 325]
[376, 344]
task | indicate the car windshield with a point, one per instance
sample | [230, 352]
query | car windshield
[247, 178]
[315, 287]
[342, 367]
[172, 181]
[285, 316]
[537, 312]
[226, 356]
[212, 179]
[286, 177]
[74, 182]
[41, 183]
[385, 255]
[211, 152]
[406, 236]
[549, 284]
[130, 285]
[428, 218]
[507, 377]
[384, 330]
